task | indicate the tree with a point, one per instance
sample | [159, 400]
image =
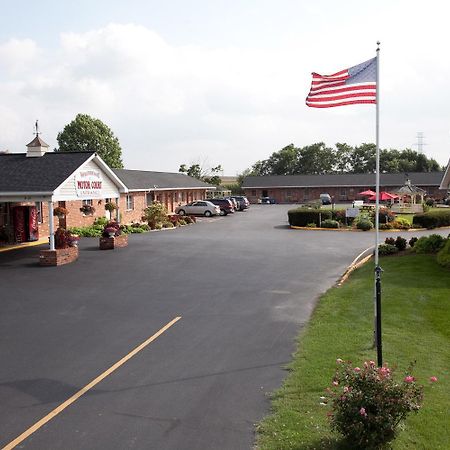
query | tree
[210, 176]
[87, 134]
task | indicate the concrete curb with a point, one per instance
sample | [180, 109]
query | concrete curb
[361, 259]
[396, 230]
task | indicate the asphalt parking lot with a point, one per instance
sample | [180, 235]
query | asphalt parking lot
[219, 304]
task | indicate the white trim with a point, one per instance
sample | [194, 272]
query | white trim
[445, 183]
[170, 189]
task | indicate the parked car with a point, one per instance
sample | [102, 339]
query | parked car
[268, 200]
[325, 199]
[242, 201]
[198, 208]
[233, 201]
[225, 205]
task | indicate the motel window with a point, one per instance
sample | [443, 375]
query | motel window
[254, 192]
[89, 202]
[343, 194]
[130, 202]
[39, 212]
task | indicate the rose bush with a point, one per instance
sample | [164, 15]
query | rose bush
[368, 403]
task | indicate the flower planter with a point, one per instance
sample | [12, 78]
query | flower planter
[110, 243]
[58, 257]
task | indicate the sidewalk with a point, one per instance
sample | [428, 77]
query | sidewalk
[8, 247]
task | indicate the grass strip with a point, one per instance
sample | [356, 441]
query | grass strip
[416, 317]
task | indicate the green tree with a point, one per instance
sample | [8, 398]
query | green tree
[315, 159]
[211, 176]
[87, 134]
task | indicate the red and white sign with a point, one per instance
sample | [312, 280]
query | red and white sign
[88, 183]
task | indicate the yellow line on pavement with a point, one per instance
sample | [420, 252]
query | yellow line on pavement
[7, 248]
[89, 386]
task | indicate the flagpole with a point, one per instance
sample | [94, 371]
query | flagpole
[378, 270]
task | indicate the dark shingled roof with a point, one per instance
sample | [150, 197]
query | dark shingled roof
[144, 180]
[19, 173]
[350, 179]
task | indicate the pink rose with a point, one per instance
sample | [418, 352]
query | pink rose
[339, 361]
[335, 383]
[433, 379]
[357, 369]
[409, 379]
[372, 363]
[363, 413]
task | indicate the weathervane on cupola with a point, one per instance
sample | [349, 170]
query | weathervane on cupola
[37, 147]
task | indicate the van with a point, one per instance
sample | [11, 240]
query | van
[325, 199]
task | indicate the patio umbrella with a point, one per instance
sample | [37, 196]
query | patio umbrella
[367, 193]
[384, 196]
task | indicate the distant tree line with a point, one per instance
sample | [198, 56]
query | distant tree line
[317, 159]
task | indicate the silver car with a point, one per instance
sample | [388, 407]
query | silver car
[198, 208]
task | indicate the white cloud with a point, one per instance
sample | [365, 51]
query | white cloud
[171, 104]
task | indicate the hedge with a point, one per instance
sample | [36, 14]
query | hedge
[301, 217]
[443, 256]
[432, 219]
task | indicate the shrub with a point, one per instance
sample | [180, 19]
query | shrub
[364, 224]
[154, 214]
[87, 231]
[300, 217]
[401, 223]
[443, 256]
[386, 226]
[368, 404]
[385, 215]
[400, 243]
[412, 241]
[430, 202]
[145, 227]
[338, 214]
[182, 222]
[432, 219]
[387, 249]
[431, 244]
[311, 225]
[101, 221]
[168, 225]
[329, 223]
[389, 241]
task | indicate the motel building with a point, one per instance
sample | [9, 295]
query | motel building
[34, 183]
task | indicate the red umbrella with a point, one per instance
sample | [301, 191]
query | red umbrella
[384, 196]
[367, 193]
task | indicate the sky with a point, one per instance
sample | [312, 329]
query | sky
[221, 82]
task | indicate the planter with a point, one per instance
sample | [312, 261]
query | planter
[58, 257]
[110, 243]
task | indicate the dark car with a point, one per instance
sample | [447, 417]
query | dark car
[242, 201]
[226, 206]
[268, 200]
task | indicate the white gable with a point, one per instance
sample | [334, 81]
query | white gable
[89, 181]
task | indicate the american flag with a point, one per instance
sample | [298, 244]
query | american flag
[347, 87]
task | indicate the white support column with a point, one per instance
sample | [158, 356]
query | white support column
[51, 225]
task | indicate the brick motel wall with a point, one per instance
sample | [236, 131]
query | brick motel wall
[130, 212]
[342, 194]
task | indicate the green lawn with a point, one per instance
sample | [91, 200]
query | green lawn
[416, 318]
